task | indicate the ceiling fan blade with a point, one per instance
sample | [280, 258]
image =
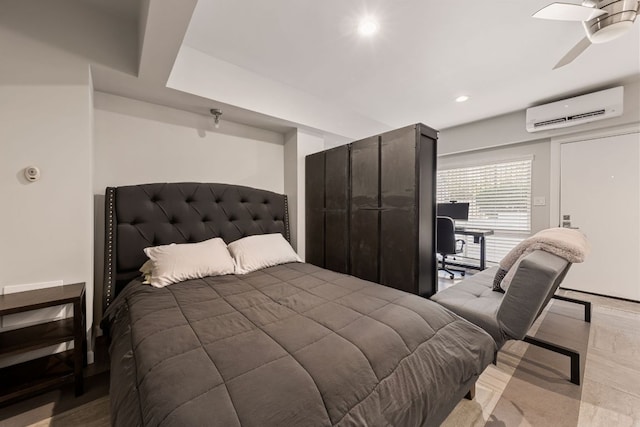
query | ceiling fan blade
[575, 51]
[568, 12]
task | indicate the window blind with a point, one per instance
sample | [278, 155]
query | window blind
[499, 196]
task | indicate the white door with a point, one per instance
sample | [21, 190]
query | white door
[600, 194]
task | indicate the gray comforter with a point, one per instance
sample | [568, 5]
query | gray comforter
[291, 345]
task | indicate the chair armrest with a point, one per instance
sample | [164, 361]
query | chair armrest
[535, 280]
[462, 243]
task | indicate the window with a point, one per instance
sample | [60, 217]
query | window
[499, 196]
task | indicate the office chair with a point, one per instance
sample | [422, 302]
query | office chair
[447, 244]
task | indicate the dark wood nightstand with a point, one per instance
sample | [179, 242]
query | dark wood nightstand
[34, 376]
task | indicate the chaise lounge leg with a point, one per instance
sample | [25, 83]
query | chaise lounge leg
[574, 355]
[471, 394]
[586, 304]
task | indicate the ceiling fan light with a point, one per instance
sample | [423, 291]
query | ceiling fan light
[620, 17]
[610, 32]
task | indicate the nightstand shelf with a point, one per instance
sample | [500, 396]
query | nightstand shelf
[28, 378]
[35, 337]
[32, 377]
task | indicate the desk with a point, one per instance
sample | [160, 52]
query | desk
[479, 237]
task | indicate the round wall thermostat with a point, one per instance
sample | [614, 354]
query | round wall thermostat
[32, 173]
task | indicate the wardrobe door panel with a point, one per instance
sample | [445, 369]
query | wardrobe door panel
[398, 223]
[364, 174]
[337, 243]
[398, 169]
[336, 209]
[365, 245]
[337, 178]
[314, 212]
[428, 275]
[365, 201]
[398, 249]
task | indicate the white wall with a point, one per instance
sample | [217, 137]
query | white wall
[298, 145]
[45, 225]
[291, 184]
[45, 109]
[136, 142]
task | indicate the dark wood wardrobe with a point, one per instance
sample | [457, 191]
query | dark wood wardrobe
[370, 209]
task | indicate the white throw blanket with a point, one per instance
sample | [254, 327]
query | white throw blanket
[567, 243]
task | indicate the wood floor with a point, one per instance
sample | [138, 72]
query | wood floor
[528, 387]
[60, 407]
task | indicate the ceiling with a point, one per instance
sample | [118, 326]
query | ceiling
[125, 9]
[424, 56]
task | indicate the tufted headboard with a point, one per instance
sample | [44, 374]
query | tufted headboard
[139, 216]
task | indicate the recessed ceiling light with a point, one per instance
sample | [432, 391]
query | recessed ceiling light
[462, 98]
[368, 26]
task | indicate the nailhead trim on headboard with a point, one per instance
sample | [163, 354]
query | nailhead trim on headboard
[286, 219]
[110, 246]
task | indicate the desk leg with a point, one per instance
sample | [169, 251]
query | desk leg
[483, 254]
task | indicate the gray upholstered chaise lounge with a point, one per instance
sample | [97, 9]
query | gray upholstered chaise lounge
[510, 315]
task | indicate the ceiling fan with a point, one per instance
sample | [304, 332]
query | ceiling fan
[603, 21]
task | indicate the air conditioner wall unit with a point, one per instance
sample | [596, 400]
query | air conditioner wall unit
[577, 110]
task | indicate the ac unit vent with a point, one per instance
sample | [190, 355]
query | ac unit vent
[550, 122]
[585, 115]
[567, 119]
[575, 111]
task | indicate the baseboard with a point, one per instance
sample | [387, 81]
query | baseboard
[600, 295]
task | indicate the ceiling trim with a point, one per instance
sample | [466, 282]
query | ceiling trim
[201, 74]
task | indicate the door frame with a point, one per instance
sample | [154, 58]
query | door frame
[555, 160]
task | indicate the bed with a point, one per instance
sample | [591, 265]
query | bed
[287, 345]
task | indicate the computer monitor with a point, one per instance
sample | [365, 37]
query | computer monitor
[454, 210]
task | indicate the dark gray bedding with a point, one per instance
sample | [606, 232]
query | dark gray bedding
[291, 345]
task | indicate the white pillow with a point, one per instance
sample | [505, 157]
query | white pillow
[263, 250]
[146, 270]
[175, 263]
[147, 267]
